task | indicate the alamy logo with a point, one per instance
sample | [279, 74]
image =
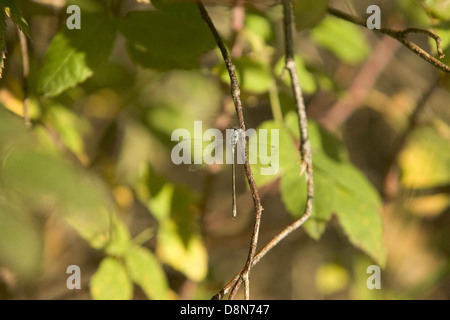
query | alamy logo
[374, 21]
[207, 148]
[374, 281]
[74, 280]
[74, 21]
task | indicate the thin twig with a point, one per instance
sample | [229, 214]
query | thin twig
[402, 37]
[305, 146]
[405, 135]
[25, 73]
[269, 246]
[413, 121]
[430, 191]
[305, 150]
[235, 93]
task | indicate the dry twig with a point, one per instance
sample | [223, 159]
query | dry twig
[402, 37]
[305, 150]
[235, 93]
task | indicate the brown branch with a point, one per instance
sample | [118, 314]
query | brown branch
[25, 73]
[402, 37]
[305, 146]
[269, 246]
[235, 93]
[305, 150]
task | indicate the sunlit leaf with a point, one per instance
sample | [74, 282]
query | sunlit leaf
[73, 55]
[307, 81]
[161, 204]
[439, 9]
[145, 270]
[259, 25]
[111, 281]
[190, 259]
[119, 238]
[16, 15]
[70, 127]
[341, 189]
[345, 40]
[414, 11]
[284, 147]
[424, 165]
[422, 161]
[444, 33]
[253, 76]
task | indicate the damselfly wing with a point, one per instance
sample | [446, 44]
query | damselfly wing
[234, 147]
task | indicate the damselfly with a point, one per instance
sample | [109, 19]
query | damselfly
[261, 155]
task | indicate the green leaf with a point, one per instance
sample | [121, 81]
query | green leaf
[70, 127]
[21, 239]
[119, 240]
[111, 281]
[444, 33]
[2, 40]
[422, 162]
[260, 25]
[166, 40]
[36, 175]
[414, 11]
[253, 76]
[197, 98]
[345, 40]
[340, 188]
[82, 203]
[308, 13]
[439, 9]
[74, 55]
[190, 259]
[356, 204]
[284, 146]
[16, 15]
[307, 80]
[146, 271]
[161, 204]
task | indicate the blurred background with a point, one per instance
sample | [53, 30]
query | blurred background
[92, 184]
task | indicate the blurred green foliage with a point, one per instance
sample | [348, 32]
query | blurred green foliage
[104, 102]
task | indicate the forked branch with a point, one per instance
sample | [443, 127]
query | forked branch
[402, 37]
[236, 95]
[305, 150]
